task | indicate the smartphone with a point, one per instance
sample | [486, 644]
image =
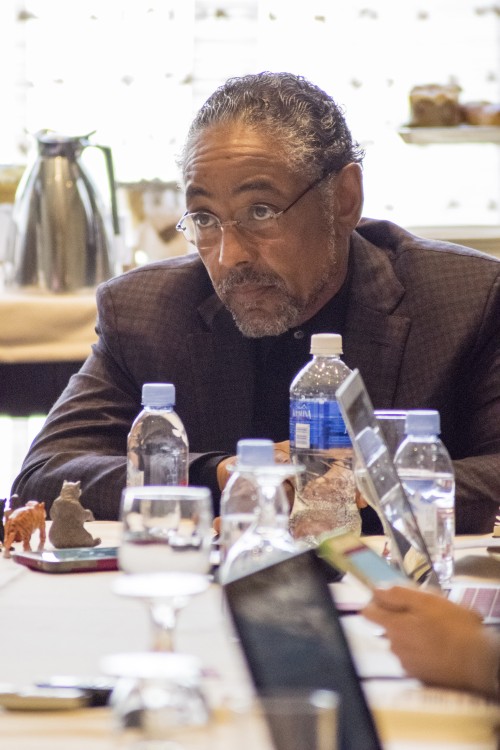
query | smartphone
[349, 554]
[97, 689]
[42, 698]
[74, 560]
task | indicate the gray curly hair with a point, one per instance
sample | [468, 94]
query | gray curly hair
[303, 121]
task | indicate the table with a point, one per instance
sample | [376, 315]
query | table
[65, 624]
[38, 327]
[44, 338]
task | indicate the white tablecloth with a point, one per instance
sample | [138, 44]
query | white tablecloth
[65, 624]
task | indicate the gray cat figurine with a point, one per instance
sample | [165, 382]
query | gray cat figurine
[68, 516]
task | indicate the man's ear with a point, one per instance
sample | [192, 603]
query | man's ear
[348, 197]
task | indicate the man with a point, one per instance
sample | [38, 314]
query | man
[437, 641]
[274, 196]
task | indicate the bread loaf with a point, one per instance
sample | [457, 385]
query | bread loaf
[435, 105]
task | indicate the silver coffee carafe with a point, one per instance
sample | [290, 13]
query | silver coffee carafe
[60, 240]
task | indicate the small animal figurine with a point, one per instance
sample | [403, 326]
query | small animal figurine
[68, 516]
[21, 523]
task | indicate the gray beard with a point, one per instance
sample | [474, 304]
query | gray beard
[251, 321]
[288, 311]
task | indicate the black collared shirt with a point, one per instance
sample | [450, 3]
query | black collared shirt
[278, 359]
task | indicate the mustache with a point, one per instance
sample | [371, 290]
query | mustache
[238, 276]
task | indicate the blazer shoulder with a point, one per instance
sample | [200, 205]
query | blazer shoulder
[396, 241]
[177, 276]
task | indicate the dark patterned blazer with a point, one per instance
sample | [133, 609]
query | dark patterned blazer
[422, 325]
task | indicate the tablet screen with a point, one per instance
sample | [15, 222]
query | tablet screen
[292, 638]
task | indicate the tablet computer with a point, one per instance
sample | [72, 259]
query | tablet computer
[290, 632]
[383, 486]
[72, 560]
[387, 493]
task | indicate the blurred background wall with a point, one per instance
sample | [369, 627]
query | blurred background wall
[135, 71]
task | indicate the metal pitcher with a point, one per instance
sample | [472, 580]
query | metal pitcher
[60, 241]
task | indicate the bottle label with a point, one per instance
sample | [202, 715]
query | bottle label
[317, 425]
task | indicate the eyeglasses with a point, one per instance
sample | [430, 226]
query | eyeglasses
[204, 229]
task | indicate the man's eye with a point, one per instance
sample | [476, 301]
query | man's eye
[203, 220]
[261, 212]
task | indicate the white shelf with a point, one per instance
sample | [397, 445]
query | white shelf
[481, 237]
[456, 134]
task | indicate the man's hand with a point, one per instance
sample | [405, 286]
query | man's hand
[281, 456]
[223, 472]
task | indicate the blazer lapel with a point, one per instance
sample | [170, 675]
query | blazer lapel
[374, 336]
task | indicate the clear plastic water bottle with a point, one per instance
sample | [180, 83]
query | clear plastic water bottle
[267, 540]
[240, 499]
[319, 440]
[157, 444]
[426, 472]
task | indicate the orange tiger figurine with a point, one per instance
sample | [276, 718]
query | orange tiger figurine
[21, 523]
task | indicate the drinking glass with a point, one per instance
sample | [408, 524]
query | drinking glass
[267, 539]
[157, 702]
[165, 552]
[299, 719]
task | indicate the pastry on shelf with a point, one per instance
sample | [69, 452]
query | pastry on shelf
[435, 105]
[481, 113]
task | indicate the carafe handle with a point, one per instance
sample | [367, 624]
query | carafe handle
[111, 179]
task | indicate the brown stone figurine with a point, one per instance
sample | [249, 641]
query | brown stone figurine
[21, 523]
[68, 516]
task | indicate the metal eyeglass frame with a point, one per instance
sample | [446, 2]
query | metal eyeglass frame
[235, 222]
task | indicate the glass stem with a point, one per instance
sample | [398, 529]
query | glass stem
[163, 619]
[267, 508]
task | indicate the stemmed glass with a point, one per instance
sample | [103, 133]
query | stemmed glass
[158, 702]
[165, 552]
[268, 538]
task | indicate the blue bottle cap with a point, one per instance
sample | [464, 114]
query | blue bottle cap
[158, 394]
[422, 422]
[255, 452]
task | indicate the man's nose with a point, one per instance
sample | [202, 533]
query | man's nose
[234, 249]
